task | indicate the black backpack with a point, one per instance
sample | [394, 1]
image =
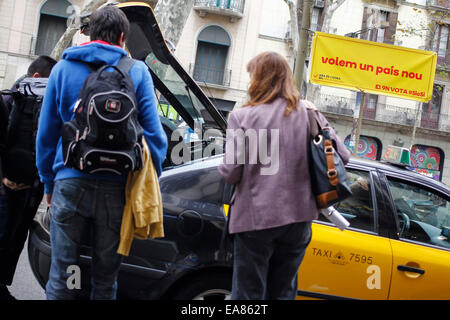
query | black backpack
[19, 154]
[105, 136]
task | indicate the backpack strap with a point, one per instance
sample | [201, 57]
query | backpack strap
[125, 64]
[92, 67]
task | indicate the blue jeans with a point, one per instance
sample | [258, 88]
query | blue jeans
[78, 205]
[266, 262]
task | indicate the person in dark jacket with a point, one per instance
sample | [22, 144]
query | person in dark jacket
[4, 113]
[18, 202]
[78, 200]
[273, 205]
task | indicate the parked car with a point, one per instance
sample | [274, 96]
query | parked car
[397, 245]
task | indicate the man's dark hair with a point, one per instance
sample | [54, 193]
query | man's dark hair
[42, 65]
[107, 24]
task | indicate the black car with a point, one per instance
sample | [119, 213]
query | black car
[396, 247]
[189, 197]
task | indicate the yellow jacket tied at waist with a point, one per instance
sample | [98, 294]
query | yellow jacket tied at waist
[142, 214]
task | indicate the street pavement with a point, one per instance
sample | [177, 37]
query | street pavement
[25, 285]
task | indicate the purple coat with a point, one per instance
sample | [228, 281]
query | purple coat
[269, 193]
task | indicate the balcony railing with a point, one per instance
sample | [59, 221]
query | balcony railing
[385, 113]
[215, 76]
[231, 8]
[441, 4]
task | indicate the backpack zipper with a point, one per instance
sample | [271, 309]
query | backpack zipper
[113, 152]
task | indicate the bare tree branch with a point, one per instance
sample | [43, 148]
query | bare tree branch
[72, 28]
[303, 43]
[172, 16]
[331, 7]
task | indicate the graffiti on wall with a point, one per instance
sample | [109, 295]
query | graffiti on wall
[368, 147]
[427, 161]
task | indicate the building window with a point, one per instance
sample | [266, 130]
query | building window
[370, 106]
[432, 109]
[440, 43]
[380, 25]
[315, 18]
[52, 25]
[211, 57]
[382, 19]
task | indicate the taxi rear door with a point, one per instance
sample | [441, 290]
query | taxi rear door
[355, 263]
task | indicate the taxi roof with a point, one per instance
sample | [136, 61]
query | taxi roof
[397, 170]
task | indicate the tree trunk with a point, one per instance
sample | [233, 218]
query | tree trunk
[331, 7]
[432, 28]
[313, 92]
[72, 29]
[172, 16]
[293, 25]
[303, 43]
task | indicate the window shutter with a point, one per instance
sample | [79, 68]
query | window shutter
[447, 53]
[366, 14]
[390, 31]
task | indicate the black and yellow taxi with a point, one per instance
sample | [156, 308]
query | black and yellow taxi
[396, 247]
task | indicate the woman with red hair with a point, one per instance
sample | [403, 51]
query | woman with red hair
[273, 205]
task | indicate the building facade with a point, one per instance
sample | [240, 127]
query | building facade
[30, 28]
[221, 36]
[423, 127]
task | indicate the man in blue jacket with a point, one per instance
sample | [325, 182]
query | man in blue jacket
[80, 201]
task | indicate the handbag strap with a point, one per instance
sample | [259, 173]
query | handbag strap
[315, 129]
[329, 155]
[314, 122]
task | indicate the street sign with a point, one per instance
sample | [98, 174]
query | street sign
[372, 67]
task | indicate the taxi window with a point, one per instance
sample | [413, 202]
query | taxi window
[423, 214]
[357, 209]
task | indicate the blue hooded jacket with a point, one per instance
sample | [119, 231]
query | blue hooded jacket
[64, 85]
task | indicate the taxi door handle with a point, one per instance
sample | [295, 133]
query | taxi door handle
[410, 269]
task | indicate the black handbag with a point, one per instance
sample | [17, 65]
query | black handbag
[328, 175]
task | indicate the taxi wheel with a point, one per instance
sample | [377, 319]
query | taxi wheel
[210, 287]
